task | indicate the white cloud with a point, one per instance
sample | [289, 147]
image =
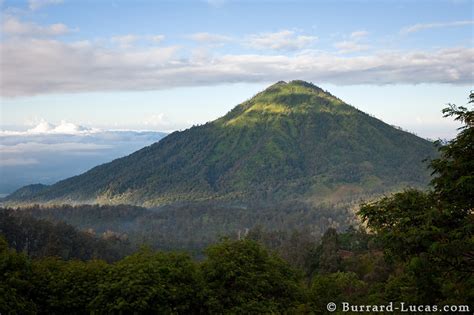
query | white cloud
[44, 128]
[13, 26]
[37, 4]
[208, 38]
[29, 64]
[284, 40]
[41, 66]
[420, 27]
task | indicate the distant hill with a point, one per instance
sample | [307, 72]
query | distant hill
[293, 141]
[39, 238]
[27, 191]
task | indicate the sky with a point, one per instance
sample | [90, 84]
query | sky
[168, 65]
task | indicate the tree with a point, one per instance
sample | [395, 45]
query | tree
[454, 170]
[325, 258]
[356, 240]
[66, 287]
[243, 278]
[431, 233]
[336, 287]
[147, 282]
[15, 286]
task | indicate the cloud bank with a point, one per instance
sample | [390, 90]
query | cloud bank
[39, 66]
[34, 61]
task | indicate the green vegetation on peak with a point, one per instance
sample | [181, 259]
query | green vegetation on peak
[285, 99]
[292, 141]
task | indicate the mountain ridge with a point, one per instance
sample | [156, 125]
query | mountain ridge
[292, 141]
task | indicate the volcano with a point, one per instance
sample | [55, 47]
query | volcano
[293, 141]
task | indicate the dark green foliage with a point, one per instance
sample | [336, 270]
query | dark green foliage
[66, 287]
[243, 278]
[238, 277]
[336, 287]
[355, 240]
[15, 282]
[292, 141]
[295, 247]
[154, 283]
[328, 252]
[431, 240]
[401, 218]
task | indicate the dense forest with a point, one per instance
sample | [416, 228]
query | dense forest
[190, 227]
[414, 246]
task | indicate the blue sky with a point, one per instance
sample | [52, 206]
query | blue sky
[166, 65]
